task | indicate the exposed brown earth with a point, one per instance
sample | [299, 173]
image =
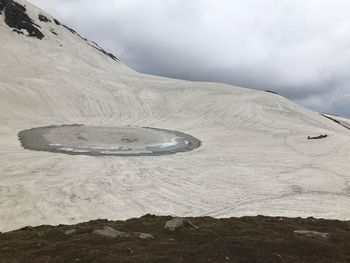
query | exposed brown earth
[145, 239]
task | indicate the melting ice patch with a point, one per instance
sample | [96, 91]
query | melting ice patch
[107, 140]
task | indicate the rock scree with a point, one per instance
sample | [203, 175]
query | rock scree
[257, 239]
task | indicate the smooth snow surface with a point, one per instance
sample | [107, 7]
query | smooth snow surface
[255, 157]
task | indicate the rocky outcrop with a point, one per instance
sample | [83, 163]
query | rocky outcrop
[178, 222]
[110, 232]
[17, 19]
[44, 19]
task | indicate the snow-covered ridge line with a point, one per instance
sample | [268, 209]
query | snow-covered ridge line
[337, 119]
[17, 18]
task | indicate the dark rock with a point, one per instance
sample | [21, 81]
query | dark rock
[43, 18]
[35, 32]
[3, 4]
[322, 136]
[18, 31]
[105, 52]
[96, 47]
[70, 29]
[53, 31]
[56, 22]
[17, 18]
[270, 91]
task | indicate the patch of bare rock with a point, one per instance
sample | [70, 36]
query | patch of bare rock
[178, 222]
[110, 232]
[312, 234]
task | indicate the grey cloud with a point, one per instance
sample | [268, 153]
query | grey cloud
[342, 106]
[301, 49]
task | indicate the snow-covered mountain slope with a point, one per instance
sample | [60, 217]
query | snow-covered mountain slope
[255, 157]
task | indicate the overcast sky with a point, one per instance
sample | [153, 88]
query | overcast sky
[298, 48]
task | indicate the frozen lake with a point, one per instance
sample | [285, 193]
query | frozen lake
[110, 141]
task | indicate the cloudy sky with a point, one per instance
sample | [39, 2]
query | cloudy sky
[298, 48]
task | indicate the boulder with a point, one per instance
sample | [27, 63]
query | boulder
[178, 222]
[110, 232]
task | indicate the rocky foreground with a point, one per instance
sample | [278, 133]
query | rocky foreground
[166, 239]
